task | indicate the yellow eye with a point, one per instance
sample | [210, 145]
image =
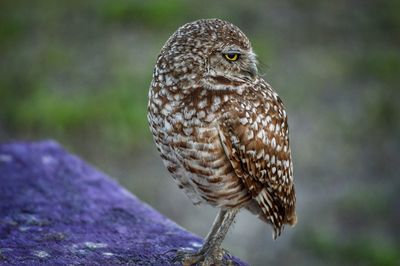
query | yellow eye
[232, 56]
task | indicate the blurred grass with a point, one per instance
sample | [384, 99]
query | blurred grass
[379, 64]
[156, 13]
[355, 251]
[118, 108]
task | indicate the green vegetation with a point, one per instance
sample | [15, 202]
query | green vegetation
[341, 251]
[149, 13]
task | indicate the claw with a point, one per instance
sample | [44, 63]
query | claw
[214, 257]
[173, 250]
[188, 258]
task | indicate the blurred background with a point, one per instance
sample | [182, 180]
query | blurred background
[79, 71]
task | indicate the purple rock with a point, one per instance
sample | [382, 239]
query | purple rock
[55, 209]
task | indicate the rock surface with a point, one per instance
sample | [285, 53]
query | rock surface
[57, 210]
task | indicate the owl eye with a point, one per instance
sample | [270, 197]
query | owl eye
[232, 56]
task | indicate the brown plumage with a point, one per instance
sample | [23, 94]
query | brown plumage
[221, 130]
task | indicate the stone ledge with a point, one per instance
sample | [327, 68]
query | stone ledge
[55, 209]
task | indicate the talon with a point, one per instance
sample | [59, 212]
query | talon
[215, 257]
[174, 250]
[188, 258]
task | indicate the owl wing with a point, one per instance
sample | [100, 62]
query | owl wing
[255, 138]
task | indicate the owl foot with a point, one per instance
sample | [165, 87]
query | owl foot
[201, 258]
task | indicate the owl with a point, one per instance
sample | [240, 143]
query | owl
[221, 130]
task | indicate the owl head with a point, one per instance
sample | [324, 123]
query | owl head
[212, 50]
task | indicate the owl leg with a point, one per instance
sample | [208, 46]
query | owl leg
[211, 253]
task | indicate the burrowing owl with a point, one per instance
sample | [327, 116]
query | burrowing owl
[221, 130]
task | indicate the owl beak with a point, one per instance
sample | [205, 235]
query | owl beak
[253, 71]
[250, 73]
